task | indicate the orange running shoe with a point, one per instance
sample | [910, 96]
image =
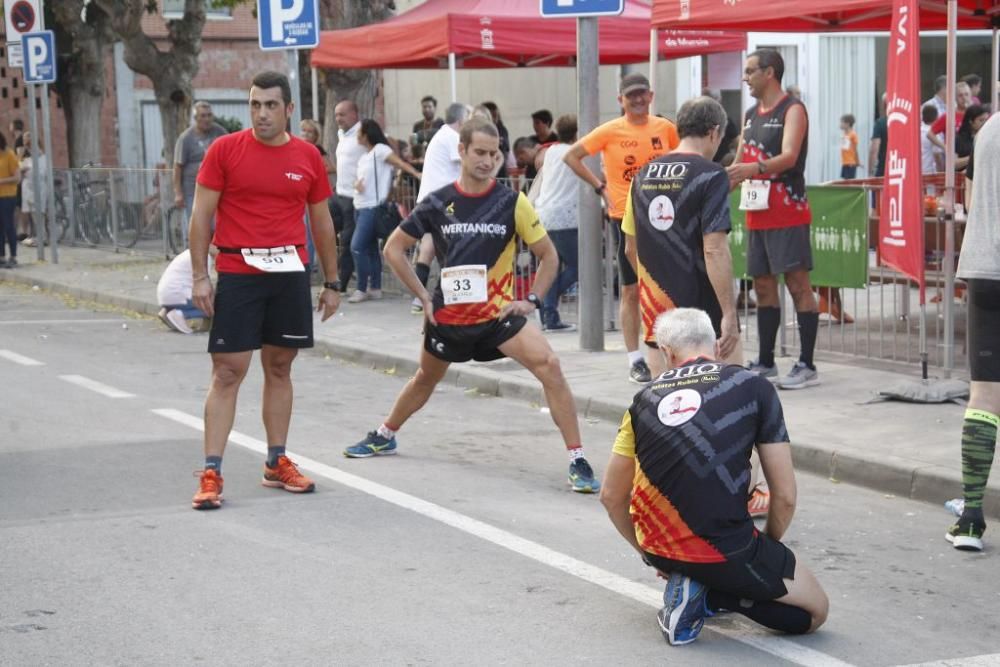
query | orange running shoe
[209, 496]
[760, 501]
[287, 476]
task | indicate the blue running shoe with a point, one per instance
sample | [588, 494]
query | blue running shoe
[683, 613]
[581, 477]
[372, 445]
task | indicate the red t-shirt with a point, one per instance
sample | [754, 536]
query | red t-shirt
[264, 194]
[938, 126]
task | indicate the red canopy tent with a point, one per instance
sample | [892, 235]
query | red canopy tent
[853, 16]
[503, 33]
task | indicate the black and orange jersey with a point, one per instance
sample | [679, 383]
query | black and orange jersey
[675, 200]
[475, 231]
[692, 431]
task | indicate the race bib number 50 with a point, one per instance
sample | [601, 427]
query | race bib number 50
[464, 284]
[283, 259]
[754, 194]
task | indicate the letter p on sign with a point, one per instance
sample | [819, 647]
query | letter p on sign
[39, 57]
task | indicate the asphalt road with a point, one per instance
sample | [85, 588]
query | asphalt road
[467, 548]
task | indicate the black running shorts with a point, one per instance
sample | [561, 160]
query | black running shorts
[626, 274]
[984, 330]
[771, 252]
[478, 342]
[261, 309]
[756, 573]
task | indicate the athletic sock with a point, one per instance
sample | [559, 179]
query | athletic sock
[274, 452]
[808, 327]
[423, 272]
[214, 463]
[386, 432]
[575, 452]
[979, 440]
[634, 358]
[768, 321]
[774, 615]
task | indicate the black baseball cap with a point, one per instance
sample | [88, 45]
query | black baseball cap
[633, 82]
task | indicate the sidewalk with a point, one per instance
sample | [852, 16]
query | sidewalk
[902, 449]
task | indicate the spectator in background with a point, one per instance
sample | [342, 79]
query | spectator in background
[348, 153]
[425, 128]
[794, 90]
[173, 293]
[528, 153]
[541, 120]
[10, 176]
[34, 210]
[931, 157]
[879, 143]
[973, 120]
[557, 208]
[963, 98]
[371, 189]
[313, 133]
[975, 83]
[189, 151]
[938, 100]
[508, 155]
[849, 161]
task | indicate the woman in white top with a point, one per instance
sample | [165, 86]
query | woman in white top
[557, 209]
[29, 207]
[375, 175]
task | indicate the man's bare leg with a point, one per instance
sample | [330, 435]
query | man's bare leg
[228, 371]
[628, 311]
[276, 405]
[418, 390]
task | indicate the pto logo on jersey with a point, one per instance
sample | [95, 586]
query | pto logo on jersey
[661, 213]
[679, 407]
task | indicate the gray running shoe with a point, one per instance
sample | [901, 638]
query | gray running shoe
[760, 369]
[800, 377]
[639, 373]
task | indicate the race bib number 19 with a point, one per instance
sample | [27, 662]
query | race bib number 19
[283, 259]
[754, 194]
[464, 284]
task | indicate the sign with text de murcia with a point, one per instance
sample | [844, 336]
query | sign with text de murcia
[287, 24]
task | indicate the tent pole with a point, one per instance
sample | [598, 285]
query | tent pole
[948, 265]
[315, 96]
[454, 77]
[654, 57]
[994, 90]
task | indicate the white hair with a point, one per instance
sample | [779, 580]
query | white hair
[685, 330]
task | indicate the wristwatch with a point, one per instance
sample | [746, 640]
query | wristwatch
[599, 189]
[534, 300]
[333, 284]
[761, 168]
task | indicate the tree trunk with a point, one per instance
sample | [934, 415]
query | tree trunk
[83, 48]
[171, 72]
[361, 85]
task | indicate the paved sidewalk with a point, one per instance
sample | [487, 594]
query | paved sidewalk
[902, 449]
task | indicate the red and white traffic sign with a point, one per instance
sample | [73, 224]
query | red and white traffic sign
[21, 16]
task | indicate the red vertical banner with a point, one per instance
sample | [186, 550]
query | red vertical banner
[901, 219]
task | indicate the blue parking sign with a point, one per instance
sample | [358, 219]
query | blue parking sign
[287, 24]
[565, 8]
[39, 56]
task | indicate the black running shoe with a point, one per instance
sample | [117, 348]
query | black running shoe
[639, 373]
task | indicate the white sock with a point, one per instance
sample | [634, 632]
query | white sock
[634, 358]
[575, 453]
[385, 432]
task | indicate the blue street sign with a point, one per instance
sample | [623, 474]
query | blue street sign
[39, 57]
[552, 9]
[287, 24]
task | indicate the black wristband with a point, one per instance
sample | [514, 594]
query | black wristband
[333, 284]
[600, 188]
[534, 300]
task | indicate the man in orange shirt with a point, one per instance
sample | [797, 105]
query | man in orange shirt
[626, 144]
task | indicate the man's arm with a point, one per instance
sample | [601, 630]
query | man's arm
[395, 255]
[616, 495]
[325, 239]
[574, 160]
[935, 138]
[873, 147]
[200, 235]
[776, 463]
[719, 264]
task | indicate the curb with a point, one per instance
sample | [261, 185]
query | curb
[889, 474]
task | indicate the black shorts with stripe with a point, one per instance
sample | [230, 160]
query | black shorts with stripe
[261, 309]
[474, 342]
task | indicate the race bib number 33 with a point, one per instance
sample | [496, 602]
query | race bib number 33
[283, 259]
[464, 284]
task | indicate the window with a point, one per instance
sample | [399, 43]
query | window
[174, 9]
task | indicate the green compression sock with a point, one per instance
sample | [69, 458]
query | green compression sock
[979, 441]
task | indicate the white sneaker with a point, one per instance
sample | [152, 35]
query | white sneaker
[357, 297]
[177, 321]
[374, 294]
[416, 307]
[163, 318]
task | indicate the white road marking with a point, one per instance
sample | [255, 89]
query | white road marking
[95, 386]
[20, 358]
[81, 321]
[780, 647]
[972, 661]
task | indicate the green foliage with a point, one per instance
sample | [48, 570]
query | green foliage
[231, 124]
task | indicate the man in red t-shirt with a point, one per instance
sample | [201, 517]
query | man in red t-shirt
[258, 184]
[963, 98]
